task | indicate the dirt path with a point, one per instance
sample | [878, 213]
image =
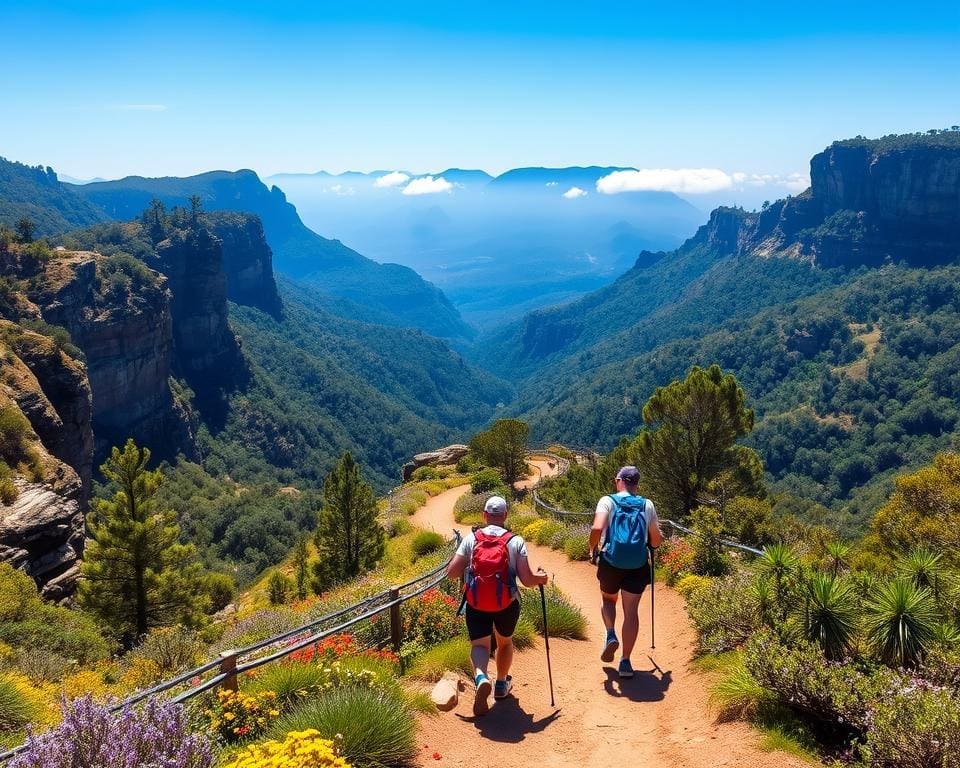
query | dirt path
[659, 718]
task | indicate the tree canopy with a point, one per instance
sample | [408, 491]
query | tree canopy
[504, 446]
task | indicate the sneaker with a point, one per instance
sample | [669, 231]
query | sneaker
[610, 649]
[503, 687]
[625, 669]
[480, 704]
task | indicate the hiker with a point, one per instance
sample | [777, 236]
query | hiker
[492, 558]
[627, 524]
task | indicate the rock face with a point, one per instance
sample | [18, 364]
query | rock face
[42, 529]
[869, 202]
[207, 351]
[443, 457]
[247, 260]
[127, 339]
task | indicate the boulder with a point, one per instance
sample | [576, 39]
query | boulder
[446, 693]
[441, 458]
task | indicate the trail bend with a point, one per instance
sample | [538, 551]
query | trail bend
[659, 718]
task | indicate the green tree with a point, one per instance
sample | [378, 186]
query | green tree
[25, 230]
[300, 568]
[349, 535]
[136, 573]
[504, 446]
[692, 428]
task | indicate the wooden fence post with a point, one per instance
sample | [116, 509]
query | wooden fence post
[228, 666]
[396, 629]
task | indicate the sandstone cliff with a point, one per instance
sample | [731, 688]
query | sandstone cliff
[47, 456]
[247, 260]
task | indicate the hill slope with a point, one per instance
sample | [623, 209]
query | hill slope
[849, 366]
[398, 293]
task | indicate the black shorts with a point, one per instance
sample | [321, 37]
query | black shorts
[613, 579]
[481, 623]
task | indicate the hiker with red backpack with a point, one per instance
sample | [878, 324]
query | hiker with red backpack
[491, 559]
[628, 526]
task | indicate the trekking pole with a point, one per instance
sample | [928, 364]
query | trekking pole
[546, 639]
[653, 573]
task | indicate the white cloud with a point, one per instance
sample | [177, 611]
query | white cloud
[427, 185]
[394, 179]
[341, 191]
[695, 181]
[553, 183]
[142, 107]
[574, 192]
[688, 180]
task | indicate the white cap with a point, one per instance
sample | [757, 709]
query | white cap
[496, 506]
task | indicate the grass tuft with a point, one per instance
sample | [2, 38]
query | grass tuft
[448, 656]
[563, 617]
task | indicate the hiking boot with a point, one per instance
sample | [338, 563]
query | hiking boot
[503, 687]
[625, 669]
[610, 649]
[480, 704]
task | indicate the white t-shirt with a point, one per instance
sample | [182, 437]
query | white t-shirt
[605, 508]
[516, 547]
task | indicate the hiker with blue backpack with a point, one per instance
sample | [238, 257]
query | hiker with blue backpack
[627, 525]
[491, 559]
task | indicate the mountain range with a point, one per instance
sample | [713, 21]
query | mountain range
[497, 246]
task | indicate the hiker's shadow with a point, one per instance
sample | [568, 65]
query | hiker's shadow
[645, 685]
[508, 722]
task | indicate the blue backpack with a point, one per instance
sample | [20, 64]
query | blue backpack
[626, 542]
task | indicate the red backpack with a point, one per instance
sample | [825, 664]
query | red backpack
[489, 584]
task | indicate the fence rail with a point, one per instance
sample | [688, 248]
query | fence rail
[234, 662]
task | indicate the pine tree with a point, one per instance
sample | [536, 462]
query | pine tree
[300, 567]
[349, 535]
[136, 573]
[504, 446]
[692, 428]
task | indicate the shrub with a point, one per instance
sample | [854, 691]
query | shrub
[545, 534]
[524, 634]
[278, 587]
[724, 613]
[293, 681]
[530, 532]
[563, 617]
[430, 473]
[917, 727]
[692, 583]
[830, 614]
[398, 526]
[449, 656]
[375, 728]
[170, 648]
[222, 589]
[259, 626]
[8, 489]
[300, 749]
[469, 507]
[426, 542]
[90, 735]
[485, 480]
[518, 521]
[577, 548]
[430, 618]
[836, 694]
[675, 557]
[41, 666]
[16, 707]
[14, 432]
[238, 715]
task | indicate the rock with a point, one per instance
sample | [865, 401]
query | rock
[247, 260]
[446, 693]
[443, 457]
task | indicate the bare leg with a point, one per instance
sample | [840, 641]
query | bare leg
[480, 655]
[504, 656]
[608, 610]
[631, 622]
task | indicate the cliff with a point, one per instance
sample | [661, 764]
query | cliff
[247, 260]
[47, 449]
[870, 202]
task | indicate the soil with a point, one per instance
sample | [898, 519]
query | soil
[661, 717]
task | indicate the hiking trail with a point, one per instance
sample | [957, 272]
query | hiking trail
[659, 718]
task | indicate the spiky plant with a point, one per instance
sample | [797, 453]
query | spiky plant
[901, 622]
[761, 590]
[925, 568]
[830, 615]
[837, 554]
[781, 563]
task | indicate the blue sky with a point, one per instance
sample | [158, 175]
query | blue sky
[107, 89]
